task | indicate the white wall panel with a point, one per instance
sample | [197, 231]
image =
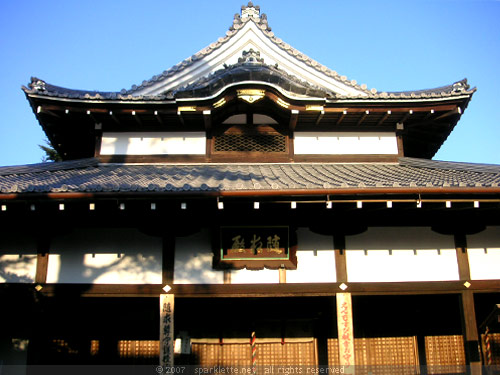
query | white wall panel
[194, 260]
[166, 143]
[315, 259]
[401, 254]
[17, 257]
[484, 254]
[105, 256]
[344, 143]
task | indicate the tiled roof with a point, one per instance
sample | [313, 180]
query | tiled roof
[252, 14]
[89, 176]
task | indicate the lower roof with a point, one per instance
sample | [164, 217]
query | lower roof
[89, 176]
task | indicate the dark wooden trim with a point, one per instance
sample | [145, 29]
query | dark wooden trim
[340, 257]
[257, 290]
[345, 158]
[153, 159]
[462, 256]
[168, 260]
[361, 193]
[42, 259]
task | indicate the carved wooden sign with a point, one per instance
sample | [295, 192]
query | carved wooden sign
[255, 248]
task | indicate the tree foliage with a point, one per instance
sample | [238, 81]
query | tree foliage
[50, 153]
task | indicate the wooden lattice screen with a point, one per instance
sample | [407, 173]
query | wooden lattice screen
[380, 355]
[237, 352]
[139, 350]
[445, 354]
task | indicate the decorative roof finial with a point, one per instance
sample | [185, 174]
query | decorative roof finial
[250, 11]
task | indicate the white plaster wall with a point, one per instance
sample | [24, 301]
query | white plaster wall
[194, 260]
[342, 143]
[105, 256]
[315, 259]
[401, 254]
[17, 258]
[160, 143]
[255, 277]
[484, 254]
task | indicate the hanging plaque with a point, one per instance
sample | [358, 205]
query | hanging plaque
[255, 248]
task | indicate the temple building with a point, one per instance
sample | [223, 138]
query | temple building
[247, 207]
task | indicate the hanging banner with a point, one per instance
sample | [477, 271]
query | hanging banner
[345, 332]
[166, 330]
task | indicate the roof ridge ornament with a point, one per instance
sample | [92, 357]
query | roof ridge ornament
[250, 57]
[250, 11]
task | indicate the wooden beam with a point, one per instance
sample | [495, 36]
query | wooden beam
[405, 117]
[339, 121]
[113, 116]
[181, 119]
[363, 117]
[456, 111]
[260, 290]
[320, 117]
[428, 115]
[136, 117]
[386, 116]
[158, 118]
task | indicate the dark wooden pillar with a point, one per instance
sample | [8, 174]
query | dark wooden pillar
[168, 259]
[340, 257]
[42, 259]
[471, 337]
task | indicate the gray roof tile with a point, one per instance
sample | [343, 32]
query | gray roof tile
[89, 176]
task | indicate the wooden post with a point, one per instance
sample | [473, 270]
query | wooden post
[168, 259]
[42, 259]
[340, 258]
[166, 330]
[282, 275]
[345, 332]
[471, 336]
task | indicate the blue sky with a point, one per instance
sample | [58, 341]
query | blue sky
[108, 45]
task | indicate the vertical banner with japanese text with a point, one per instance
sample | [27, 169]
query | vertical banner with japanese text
[166, 330]
[345, 331]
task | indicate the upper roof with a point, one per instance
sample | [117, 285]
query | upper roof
[88, 175]
[249, 52]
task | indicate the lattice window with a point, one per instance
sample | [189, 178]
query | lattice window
[250, 143]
